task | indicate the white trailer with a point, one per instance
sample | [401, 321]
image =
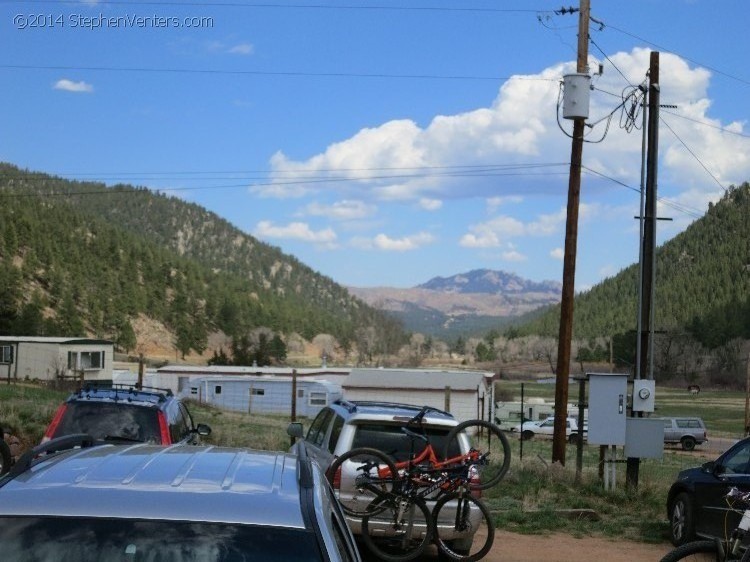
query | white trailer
[264, 394]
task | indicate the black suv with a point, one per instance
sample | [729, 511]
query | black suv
[128, 414]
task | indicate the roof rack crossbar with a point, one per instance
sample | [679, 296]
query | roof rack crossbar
[64, 443]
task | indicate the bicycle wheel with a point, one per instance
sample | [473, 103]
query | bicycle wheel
[492, 445]
[459, 518]
[698, 551]
[356, 481]
[397, 528]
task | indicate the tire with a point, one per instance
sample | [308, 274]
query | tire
[5, 457]
[488, 439]
[681, 520]
[527, 435]
[358, 504]
[573, 439]
[457, 518]
[398, 542]
[698, 551]
[688, 443]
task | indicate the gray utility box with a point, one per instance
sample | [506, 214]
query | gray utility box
[608, 406]
[645, 438]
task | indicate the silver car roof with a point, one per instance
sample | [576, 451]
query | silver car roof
[139, 481]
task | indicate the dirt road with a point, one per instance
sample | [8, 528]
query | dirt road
[513, 547]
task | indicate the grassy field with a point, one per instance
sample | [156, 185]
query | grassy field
[535, 495]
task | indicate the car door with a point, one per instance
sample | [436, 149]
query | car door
[714, 515]
[317, 435]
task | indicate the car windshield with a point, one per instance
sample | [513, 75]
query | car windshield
[42, 539]
[390, 439]
[111, 421]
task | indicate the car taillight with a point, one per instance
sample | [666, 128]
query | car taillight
[337, 479]
[164, 429]
[50, 433]
[474, 480]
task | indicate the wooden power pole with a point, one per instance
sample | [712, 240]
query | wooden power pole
[559, 438]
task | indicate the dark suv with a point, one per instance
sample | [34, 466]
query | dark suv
[71, 500]
[127, 414]
[696, 503]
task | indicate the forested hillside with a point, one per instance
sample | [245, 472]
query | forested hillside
[702, 282]
[81, 258]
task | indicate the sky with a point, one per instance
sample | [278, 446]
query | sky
[385, 143]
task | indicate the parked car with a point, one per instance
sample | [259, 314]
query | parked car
[696, 505]
[89, 502]
[687, 431]
[546, 428]
[343, 426]
[126, 414]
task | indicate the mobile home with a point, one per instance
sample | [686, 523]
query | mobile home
[263, 394]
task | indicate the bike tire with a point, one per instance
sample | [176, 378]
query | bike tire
[358, 503]
[488, 438]
[392, 537]
[5, 456]
[461, 521]
[698, 551]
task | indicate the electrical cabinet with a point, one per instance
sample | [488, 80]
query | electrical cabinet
[608, 405]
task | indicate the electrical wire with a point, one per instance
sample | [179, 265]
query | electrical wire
[692, 154]
[707, 124]
[211, 71]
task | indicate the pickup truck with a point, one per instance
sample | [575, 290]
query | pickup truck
[545, 428]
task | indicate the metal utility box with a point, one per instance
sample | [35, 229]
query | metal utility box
[643, 395]
[645, 438]
[608, 405]
[576, 94]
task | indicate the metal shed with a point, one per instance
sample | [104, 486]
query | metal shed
[465, 394]
[263, 394]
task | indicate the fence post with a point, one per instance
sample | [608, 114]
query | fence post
[447, 399]
[294, 400]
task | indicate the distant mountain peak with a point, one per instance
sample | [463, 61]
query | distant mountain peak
[488, 281]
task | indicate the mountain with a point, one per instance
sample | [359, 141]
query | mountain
[463, 304]
[702, 283]
[80, 258]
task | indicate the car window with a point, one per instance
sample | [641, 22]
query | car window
[64, 539]
[178, 428]
[737, 461]
[104, 420]
[390, 439]
[338, 424]
[667, 424]
[317, 431]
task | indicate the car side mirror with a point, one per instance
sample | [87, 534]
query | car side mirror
[710, 467]
[295, 430]
[203, 430]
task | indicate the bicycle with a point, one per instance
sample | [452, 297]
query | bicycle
[718, 550]
[388, 496]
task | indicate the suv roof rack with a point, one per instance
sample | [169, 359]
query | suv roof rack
[126, 390]
[64, 443]
[350, 406]
[412, 407]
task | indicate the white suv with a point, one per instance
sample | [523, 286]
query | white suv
[344, 426]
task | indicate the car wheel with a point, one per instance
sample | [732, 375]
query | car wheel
[688, 443]
[681, 519]
[573, 438]
[526, 435]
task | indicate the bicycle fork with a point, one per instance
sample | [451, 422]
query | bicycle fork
[739, 533]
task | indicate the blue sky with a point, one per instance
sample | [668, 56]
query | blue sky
[383, 143]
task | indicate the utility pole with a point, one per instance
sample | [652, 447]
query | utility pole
[648, 285]
[569, 261]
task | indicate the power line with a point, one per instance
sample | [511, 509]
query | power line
[693, 154]
[210, 71]
[662, 48]
[288, 6]
[707, 124]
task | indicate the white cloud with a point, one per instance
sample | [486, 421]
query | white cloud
[494, 202]
[241, 49]
[295, 231]
[341, 210]
[496, 231]
[70, 86]
[430, 204]
[608, 270]
[514, 256]
[388, 244]
[557, 253]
